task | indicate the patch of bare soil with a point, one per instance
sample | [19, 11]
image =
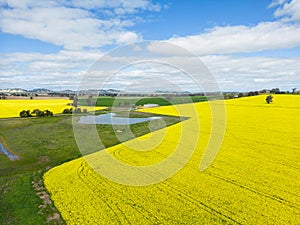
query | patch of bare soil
[43, 159]
[47, 207]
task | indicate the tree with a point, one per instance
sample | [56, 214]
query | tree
[77, 110]
[294, 90]
[36, 112]
[89, 100]
[269, 99]
[48, 113]
[275, 91]
[75, 102]
[41, 113]
[25, 113]
[67, 111]
[250, 93]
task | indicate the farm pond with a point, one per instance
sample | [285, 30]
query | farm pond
[112, 119]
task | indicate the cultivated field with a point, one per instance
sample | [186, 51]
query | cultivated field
[12, 107]
[41, 143]
[253, 180]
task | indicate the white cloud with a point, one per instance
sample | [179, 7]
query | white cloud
[66, 69]
[254, 73]
[28, 3]
[275, 3]
[280, 34]
[58, 71]
[239, 39]
[289, 9]
[165, 48]
[131, 6]
[70, 24]
[127, 37]
[118, 6]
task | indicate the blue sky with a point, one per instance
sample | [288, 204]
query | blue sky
[247, 45]
[182, 18]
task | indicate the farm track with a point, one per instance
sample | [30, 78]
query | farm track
[179, 194]
[182, 193]
[82, 176]
[86, 171]
[263, 106]
[247, 140]
[254, 190]
[166, 188]
[266, 159]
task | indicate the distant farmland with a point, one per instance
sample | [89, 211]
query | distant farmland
[12, 107]
[129, 101]
[253, 180]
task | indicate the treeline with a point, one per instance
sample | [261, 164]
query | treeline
[47, 113]
[229, 95]
[75, 110]
[36, 112]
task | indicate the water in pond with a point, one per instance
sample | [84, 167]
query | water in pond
[7, 153]
[112, 119]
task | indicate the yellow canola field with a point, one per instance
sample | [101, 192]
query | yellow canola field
[253, 180]
[12, 108]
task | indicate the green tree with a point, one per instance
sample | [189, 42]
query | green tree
[36, 112]
[75, 102]
[269, 99]
[25, 113]
[67, 111]
[48, 113]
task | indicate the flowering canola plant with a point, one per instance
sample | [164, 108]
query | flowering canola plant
[253, 180]
[12, 108]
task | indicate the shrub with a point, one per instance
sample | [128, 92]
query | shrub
[25, 113]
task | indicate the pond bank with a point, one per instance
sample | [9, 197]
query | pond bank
[7, 153]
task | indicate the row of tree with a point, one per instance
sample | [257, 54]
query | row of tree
[47, 113]
[36, 112]
[75, 110]
[229, 95]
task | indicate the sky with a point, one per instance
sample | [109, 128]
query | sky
[237, 45]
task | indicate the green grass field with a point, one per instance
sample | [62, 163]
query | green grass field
[43, 143]
[140, 101]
